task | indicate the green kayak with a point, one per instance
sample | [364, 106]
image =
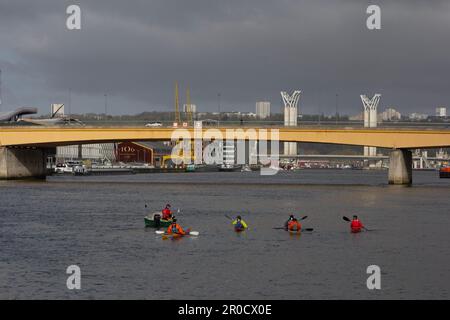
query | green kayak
[154, 221]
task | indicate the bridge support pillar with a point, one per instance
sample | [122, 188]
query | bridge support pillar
[23, 162]
[400, 167]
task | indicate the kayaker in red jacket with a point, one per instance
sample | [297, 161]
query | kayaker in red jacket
[291, 217]
[294, 225]
[166, 213]
[175, 228]
[356, 225]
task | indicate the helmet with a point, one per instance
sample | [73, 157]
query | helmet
[239, 218]
[167, 205]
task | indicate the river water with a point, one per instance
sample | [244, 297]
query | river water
[97, 224]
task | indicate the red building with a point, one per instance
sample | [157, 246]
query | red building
[134, 152]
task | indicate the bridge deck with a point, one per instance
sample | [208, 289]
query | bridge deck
[385, 138]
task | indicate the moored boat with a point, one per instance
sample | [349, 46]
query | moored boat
[229, 168]
[444, 172]
[154, 221]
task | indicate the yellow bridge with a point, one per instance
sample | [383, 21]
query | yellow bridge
[23, 149]
[385, 138]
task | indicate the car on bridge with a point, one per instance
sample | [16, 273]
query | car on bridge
[154, 124]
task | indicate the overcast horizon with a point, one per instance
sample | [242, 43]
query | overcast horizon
[247, 50]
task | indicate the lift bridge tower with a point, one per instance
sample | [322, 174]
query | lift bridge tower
[290, 118]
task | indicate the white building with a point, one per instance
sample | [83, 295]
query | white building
[390, 114]
[190, 108]
[98, 151]
[227, 151]
[263, 109]
[441, 112]
[418, 116]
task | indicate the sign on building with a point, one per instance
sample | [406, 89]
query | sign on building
[57, 110]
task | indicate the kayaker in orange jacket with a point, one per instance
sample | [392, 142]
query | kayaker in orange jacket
[166, 213]
[294, 225]
[356, 225]
[175, 228]
[291, 217]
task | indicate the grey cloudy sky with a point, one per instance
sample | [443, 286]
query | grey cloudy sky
[247, 50]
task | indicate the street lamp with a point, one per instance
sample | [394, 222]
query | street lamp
[218, 107]
[106, 105]
[337, 96]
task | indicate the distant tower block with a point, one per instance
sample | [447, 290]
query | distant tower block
[290, 118]
[370, 118]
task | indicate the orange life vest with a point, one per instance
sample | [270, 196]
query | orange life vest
[175, 228]
[294, 225]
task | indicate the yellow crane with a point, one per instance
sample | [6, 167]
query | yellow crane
[188, 106]
[184, 158]
[177, 107]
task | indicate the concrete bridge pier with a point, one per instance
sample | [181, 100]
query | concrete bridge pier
[24, 162]
[400, 167]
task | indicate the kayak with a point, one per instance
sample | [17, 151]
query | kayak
[239, 229]
[177, 235]
[156, 223]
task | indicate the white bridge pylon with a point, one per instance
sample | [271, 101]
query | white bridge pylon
[370, 118]
[290, 107]
[290, 117]
[370, 110]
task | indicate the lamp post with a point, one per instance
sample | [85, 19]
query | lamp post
[337, 114]
[106, 105]
[70, 104]
[218, 107]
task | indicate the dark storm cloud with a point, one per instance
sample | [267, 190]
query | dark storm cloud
[246, 50]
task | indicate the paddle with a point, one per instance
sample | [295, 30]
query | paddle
[284, 228]
[303, 229]
[190, 233]
[348, 220]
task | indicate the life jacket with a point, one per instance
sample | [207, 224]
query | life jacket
[175, 228]
[240, 224]
[294, 225]
[166, 213]
[356, 226]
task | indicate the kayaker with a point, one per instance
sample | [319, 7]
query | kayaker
[356, 225]
[175, 228]
[294, 225]
[291, 217]
[166, 213]
[239, 224]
